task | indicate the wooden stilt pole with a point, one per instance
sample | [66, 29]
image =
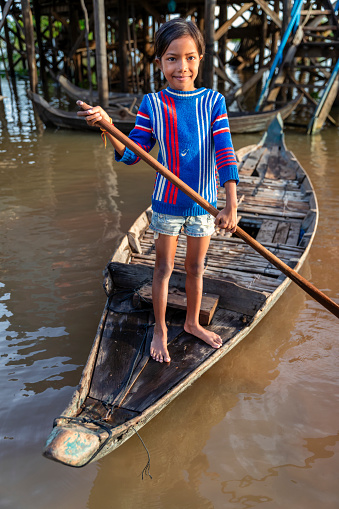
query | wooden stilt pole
[201, 24]
[29, 39]
[222, 40]
[42, 59]
[209, 39]
[286, 15]
[135, 47]
[123, 57]
[54, 56]
[146, 51]
[263, 39]
[132, 59]
[5, 6]
[274, 45]
[101, 51]
[88, 59]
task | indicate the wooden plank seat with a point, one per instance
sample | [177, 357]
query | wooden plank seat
[177, 299]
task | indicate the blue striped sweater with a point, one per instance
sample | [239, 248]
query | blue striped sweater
[194, 139]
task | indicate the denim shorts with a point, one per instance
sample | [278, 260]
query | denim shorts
[193, 226]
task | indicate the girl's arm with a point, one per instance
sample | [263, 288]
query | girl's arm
[95, 114]
[227, 217]
[226, 163]
[142, 134]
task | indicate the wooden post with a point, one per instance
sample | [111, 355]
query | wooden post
[274, 45]
[201, 24]
[123, 57]
[42, 59]
[286, 15]
[73, 33]
[129, 42]
[52, 42]
[263, 39]
[89, 70]
[209, 39]
[135, 47]
[146, 52]
[29, 39]
[101, 51]
[222, 40]
[5, 8]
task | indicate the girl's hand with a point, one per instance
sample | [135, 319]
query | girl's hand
[93, 115]
[227, 219]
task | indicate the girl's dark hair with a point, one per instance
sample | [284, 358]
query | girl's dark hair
[174, 29]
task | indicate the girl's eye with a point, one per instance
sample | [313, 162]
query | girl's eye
[170, 59]
[191, 58]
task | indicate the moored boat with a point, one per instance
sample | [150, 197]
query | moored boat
[130, 101]
[122, 388]
[55, 117]
[124, 119]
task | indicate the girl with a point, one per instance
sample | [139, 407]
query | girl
[192, 130]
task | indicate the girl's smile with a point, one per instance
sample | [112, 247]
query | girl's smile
[180, 64]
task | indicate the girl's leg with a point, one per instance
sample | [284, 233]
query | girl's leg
[165, 248]
[194, 265]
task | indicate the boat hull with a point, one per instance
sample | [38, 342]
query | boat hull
[55, 117]
[125, 121]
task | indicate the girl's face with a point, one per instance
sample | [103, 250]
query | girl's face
[180, 64]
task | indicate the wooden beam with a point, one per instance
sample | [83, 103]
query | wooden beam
[5, 12]
[42, 59]
[208, 68]
[101, 51]
[223, 29]
[273, 15]
[221, 71]
[80, 38]
[62, 20]
[150, 9]
[8, 44]
[310, 99]
[29, 39]
[123, 56]
[190, 11]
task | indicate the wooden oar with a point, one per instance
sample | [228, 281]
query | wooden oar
[319, 296]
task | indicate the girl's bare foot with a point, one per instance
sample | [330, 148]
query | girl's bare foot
[211, 338]
[158, 348]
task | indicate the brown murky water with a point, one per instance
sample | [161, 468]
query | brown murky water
[260, 429]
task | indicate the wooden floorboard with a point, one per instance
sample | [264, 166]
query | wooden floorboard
[121, 339]
[187, 353]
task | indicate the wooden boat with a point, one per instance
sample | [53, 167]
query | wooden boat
[55, 117]
[130, 101]
[251, 122]
[121, 387]
[240, 122]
